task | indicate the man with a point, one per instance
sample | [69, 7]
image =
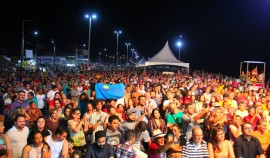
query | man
[31, 98]
[27, 90]
[141, 135]
[51, 93]
[158, 147]
[114, 136]
[126, 150]
[191, 119]
[196, 146]
[253, 116]
[18, 136]
[100, 148]
[141, 110]
[246, 145]
[262, 134]
[41, 98]
[130, 122]
[20, 101]
[175, 117]
[58, 143]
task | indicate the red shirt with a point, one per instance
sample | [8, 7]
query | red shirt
[153, 147]
[248, 118]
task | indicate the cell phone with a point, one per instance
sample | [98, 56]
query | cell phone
[205, 105]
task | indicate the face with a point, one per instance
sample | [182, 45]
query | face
[120, 108]
[247, 130]
[220, 135]
[89, 107]
[262, 126]
[41, 123]
[142, 101]
[2, 127]
[114, 124]
[38, 139]
[20, 123]
[54, 115]
[190, 109]
[197, 136]
[156, 114]
[57, 103]
[22, 96]
[62, 136]
[175, 131]
[132, 116]
[99, 106]
[101, 142]
[67, 112]
[160, 141]
[77, 114]
[112, 111]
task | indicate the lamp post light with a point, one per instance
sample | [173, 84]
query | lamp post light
[132, 54]
[22, 47]
[179, 45]
[89, 38]
[36, 53]
[53, 42]
[127, 44]
[117, 36]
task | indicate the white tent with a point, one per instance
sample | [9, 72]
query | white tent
[165, 57]
[141, 63]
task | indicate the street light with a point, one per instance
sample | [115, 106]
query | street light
[22, 48]
[36, 57]
[127, 44]
[89, 38]
[132, 54]
[53, 53]
[117, 36]
[179, 45]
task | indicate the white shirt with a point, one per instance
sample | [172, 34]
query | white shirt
[18, 140]
[7, 101]
[40, 99]
[51, 94]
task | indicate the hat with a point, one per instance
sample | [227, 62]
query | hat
[130, 111]
[157, 133]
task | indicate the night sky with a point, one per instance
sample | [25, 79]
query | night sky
[217, 34]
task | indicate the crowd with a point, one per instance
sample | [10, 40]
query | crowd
[55, 113]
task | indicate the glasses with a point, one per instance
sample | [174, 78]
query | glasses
[77, 113]
[248, 128]
[220, 134]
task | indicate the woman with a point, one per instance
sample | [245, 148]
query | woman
[36, 146]
[121, 111]
[65, 100]
[156, 122]
[53, 120]
[200, 104]
[74, 104]
[112, 111]
[33, 113]
[65, 116]
[77, 127]
[176, 148]
[40, 125]
[218, 146]
[5, 145]
[83, 103]
[89, 112]
[20, 110]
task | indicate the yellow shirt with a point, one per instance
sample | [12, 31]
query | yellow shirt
[263, 138]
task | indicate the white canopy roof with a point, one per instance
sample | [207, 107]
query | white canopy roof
[141, 63]
[165, 57]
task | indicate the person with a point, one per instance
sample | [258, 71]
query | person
[20, 101]
[40, 125]
[156, 122]
[33, 113]
[218, 146]
[175, 150]
[235, 129]
[18, 136]
[77, 127]
[53, 121]
[100, 148]
[76, 154]
[158, 147]
[36, 146]
[262, 134]
[247, 145]
[126, 150]
[196, 146]
[253, 116]
[41, 98]
[130, 122]
[114, 136]
[142, 135]
[5, 145]
[175, 117]
[58, 143]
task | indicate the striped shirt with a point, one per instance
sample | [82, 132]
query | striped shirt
[193, 151]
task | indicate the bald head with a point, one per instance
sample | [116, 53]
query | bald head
[197, 135]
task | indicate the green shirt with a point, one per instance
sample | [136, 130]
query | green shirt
[174, 118]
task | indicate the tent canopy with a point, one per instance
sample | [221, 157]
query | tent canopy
[165, 57]
[141, 63]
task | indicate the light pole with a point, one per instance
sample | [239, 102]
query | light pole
[89, 38]
[117, 36]
[53, 42]
[127, 44]
[36, 53]
[22, 47]
[132, 54]
[179, 45]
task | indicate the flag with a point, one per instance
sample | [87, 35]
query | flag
[108, 91]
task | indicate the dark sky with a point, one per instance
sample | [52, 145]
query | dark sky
[217, 34]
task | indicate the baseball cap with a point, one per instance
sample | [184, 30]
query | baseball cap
[130, 111]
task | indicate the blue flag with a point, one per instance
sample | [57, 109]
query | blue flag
[107, 91]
